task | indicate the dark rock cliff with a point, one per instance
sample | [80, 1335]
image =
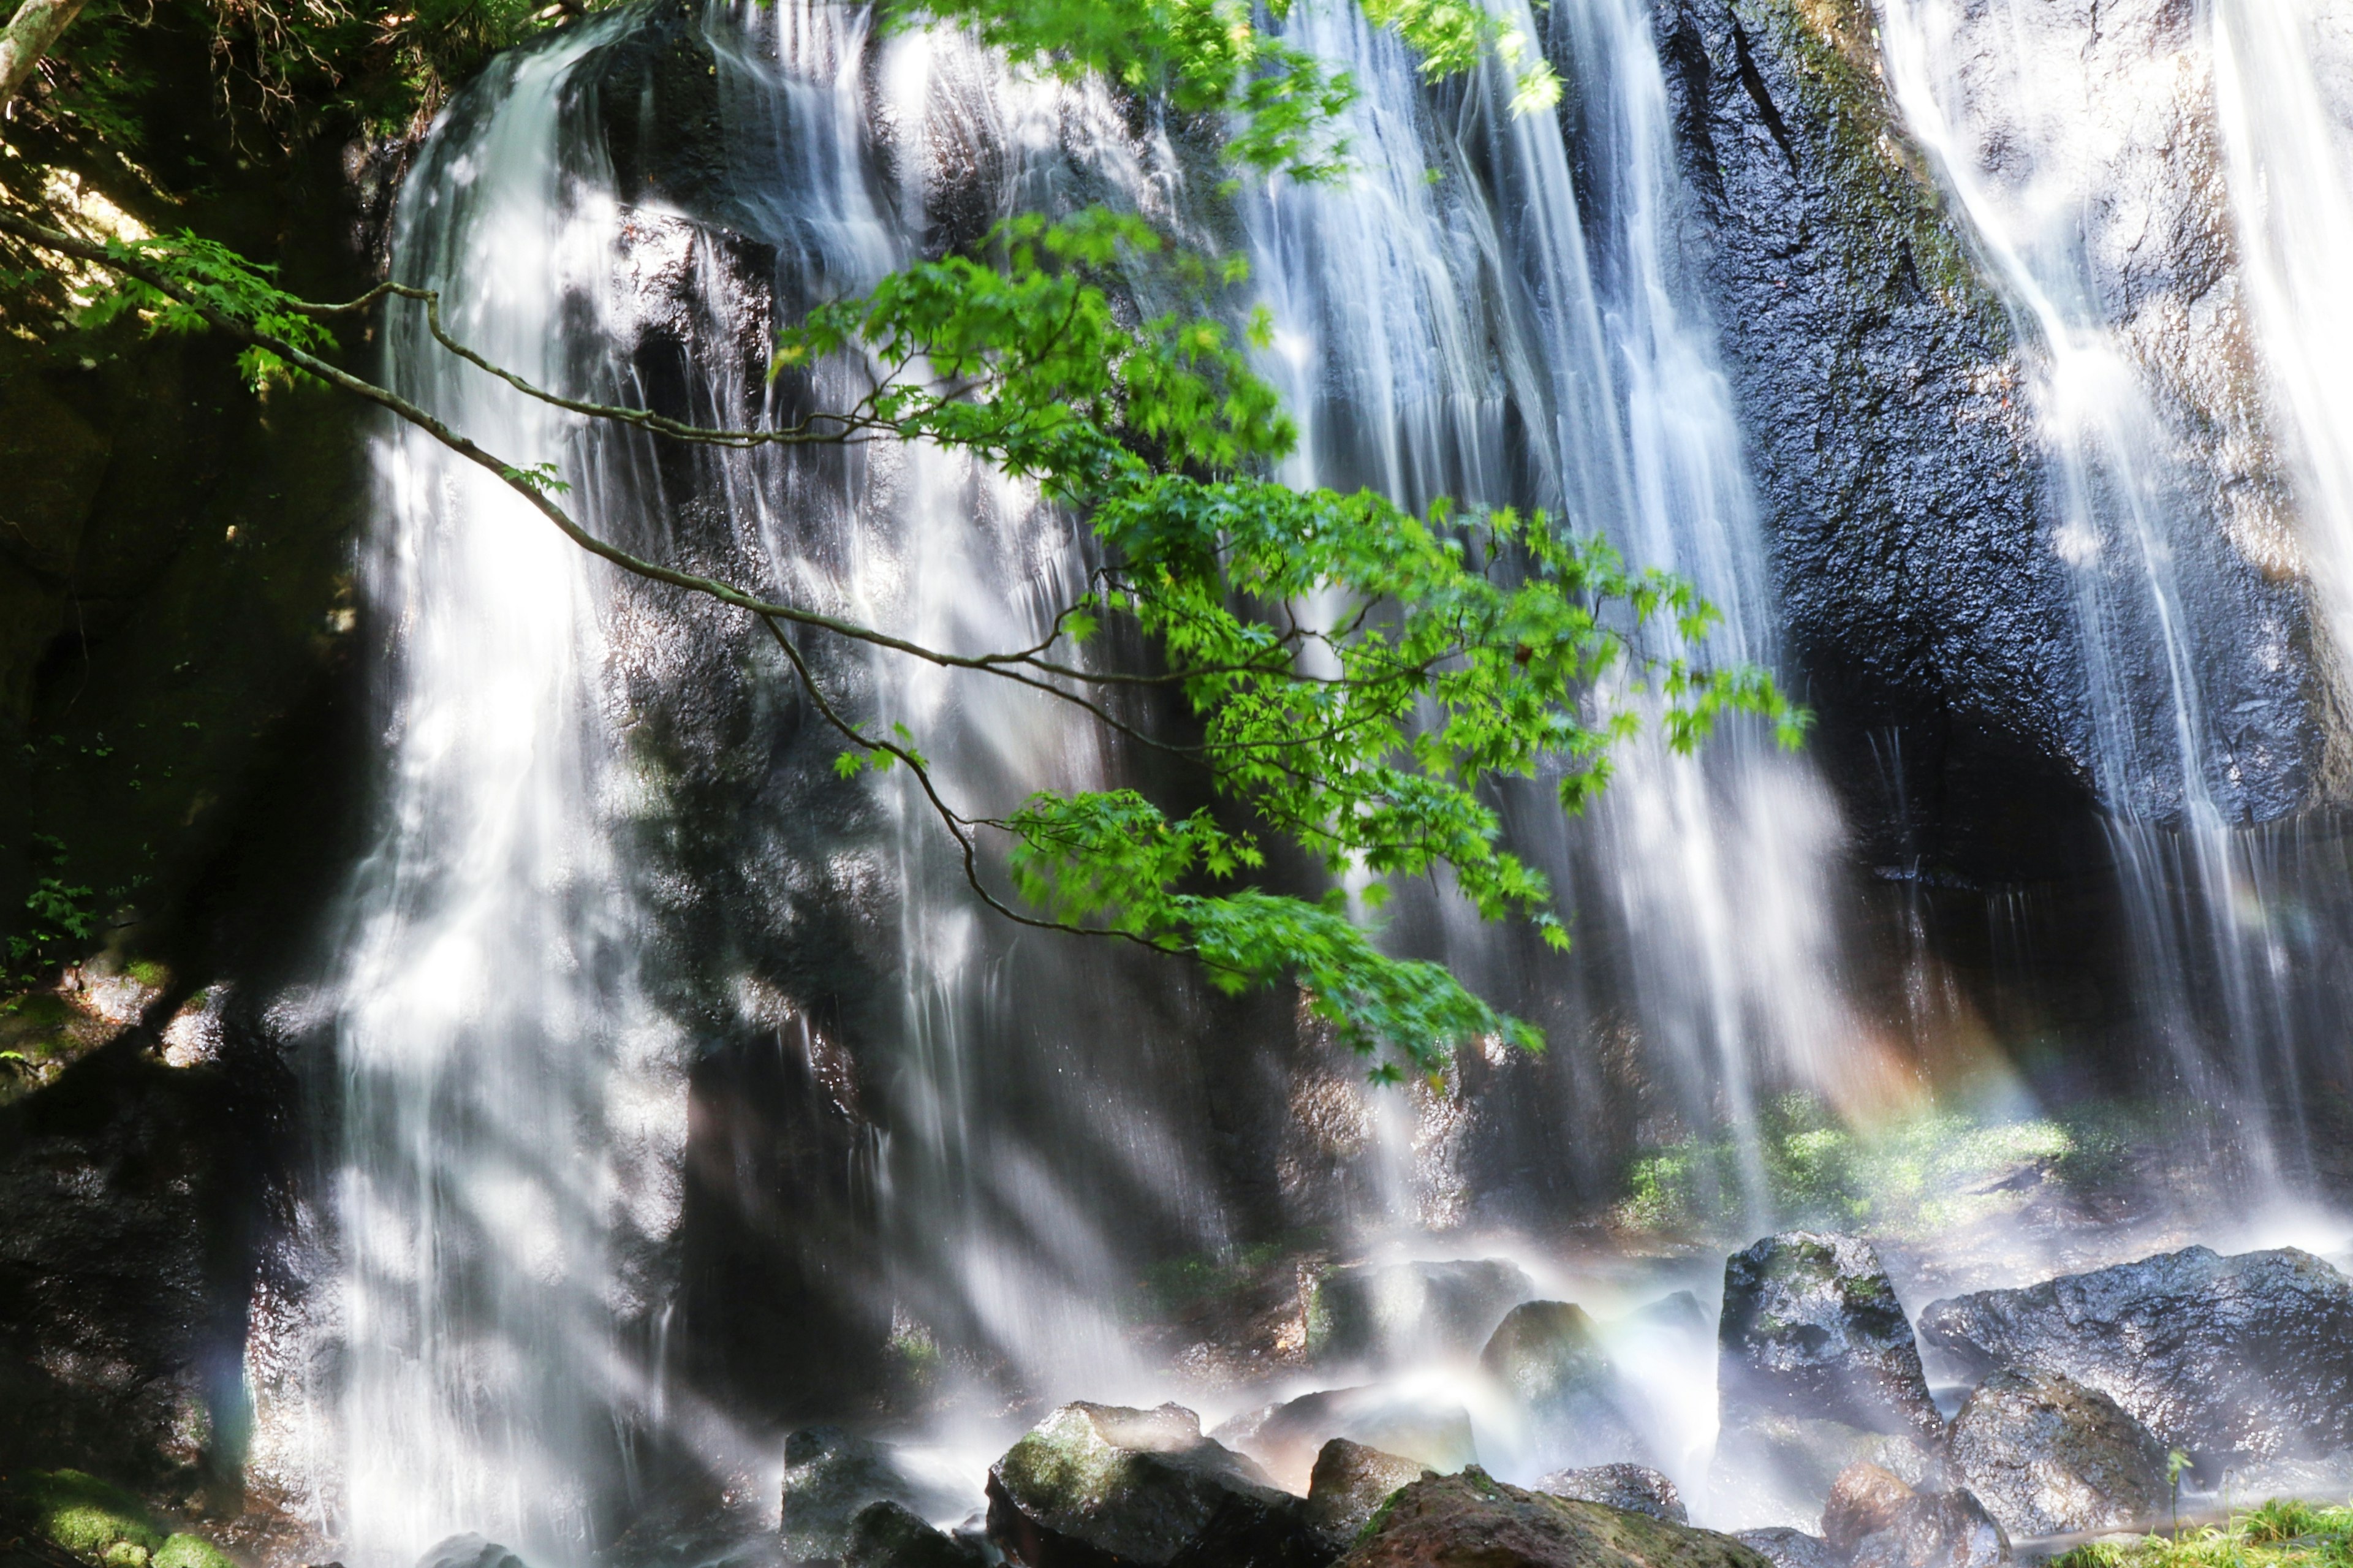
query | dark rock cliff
[1875, 373]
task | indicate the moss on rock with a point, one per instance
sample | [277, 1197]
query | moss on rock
[85, 1515]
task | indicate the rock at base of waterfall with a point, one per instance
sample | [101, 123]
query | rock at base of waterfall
[1548, 1356]
[1811, 1329]
[2233, 1359]
[1635, 1487]
[469, 1550]
[1473, 1517]
[1679, 1312]
[1865, 1499]
[1098, 1483]
[830, 1477]
[887, 1535]
[2049, 1457]
[1939, 1530]
[1350, 1482]
[1780, 1471]
[1786, 1548]
[1392, 1312]
[1287, 1438]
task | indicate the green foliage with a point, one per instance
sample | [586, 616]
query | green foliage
[1208, 57]
[1457, 650]
[1175, 1284]
[58, 914]
[1913, 1176]
[207, 277]
[2280, 1533]
[1465, 648]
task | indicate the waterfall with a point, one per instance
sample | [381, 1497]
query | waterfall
[2070, 146]
[1442, 329]
[509, 1120]
[680, 1074]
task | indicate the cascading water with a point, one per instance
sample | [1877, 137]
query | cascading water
[2055, 139]
[624, 910]
[1441, 331]
[509, 1124]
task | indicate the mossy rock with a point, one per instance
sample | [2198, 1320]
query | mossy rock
[85, 1515]
[192, 1552]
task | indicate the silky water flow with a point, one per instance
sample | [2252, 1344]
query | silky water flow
[528, 1021]
[2056, 143]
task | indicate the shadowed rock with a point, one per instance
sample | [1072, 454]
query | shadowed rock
[1095, 1485]
[2049, 1457]
[1548, 1356]
[1286, 1438]
[2227, 1357]
[469, 1550]
[1811, 1328]
[1473, 1518]
[1351, 1482]
[1779, 1471]
[830, 1477]
[1396, 1312]
[885, 1535]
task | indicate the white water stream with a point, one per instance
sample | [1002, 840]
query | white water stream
[516, 1043]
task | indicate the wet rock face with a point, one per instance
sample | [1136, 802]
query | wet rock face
[1881, 394]
[1811, 1329]
[1944, 1530]
[1473, 1519]
[1393, 1311]
[2247, 1357]
[1289, 1438]
[1781, 1470]
[1548, 1354]
[1863, 1501]
[831, 1478]
[1786, 1548]
[886, 1535]
[1638, 1488]
[1094, 1485]
[469, 1550]
[1351, 1482]
[2049, 1457]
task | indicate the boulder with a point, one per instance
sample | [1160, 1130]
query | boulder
[1635, 1487]
[1679, 1312]
[1786, 1548]
[1473, 1518]
[886, 1535]
[1097, 1483]
[1548, 1354]
[2230, 1358]
[1939, 1530]
[1286, 1438]
[1351, 1482]
[1811, 1329]
[1393, 1313]
[2049, 1457]
[830, 1477]
[468, 1551]
[1863, 1501]
[1779, 1471]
